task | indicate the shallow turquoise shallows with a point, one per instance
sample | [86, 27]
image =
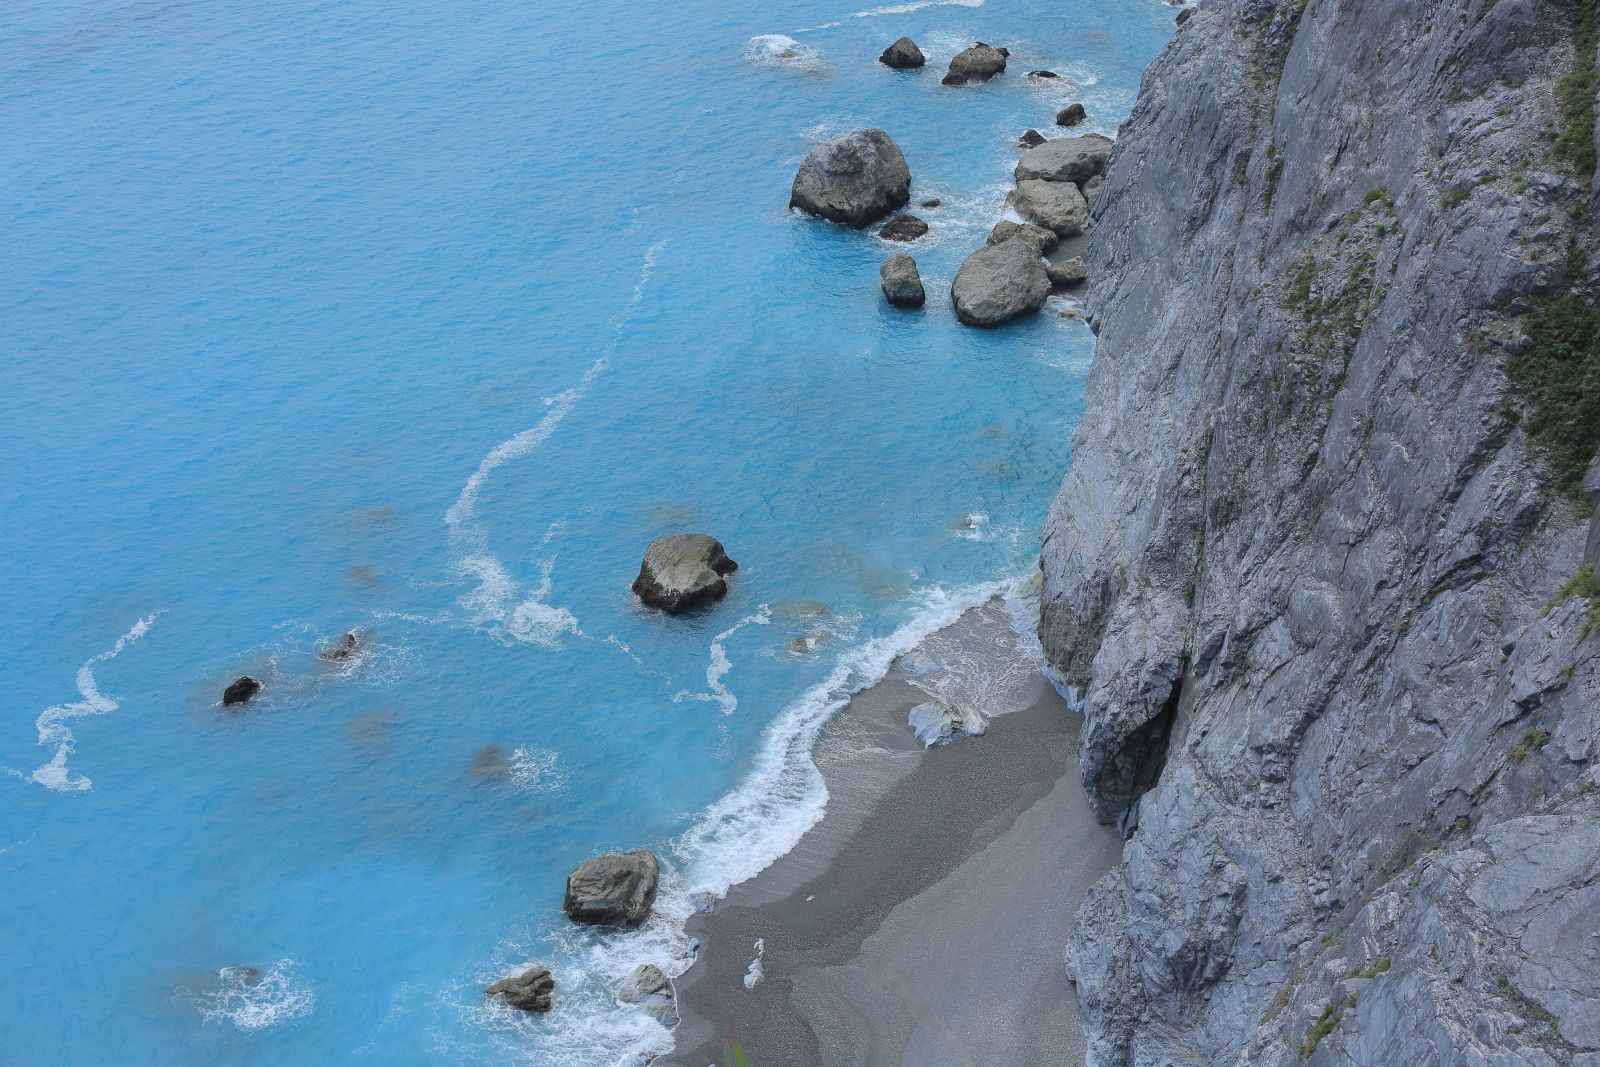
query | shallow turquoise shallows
[424, 319]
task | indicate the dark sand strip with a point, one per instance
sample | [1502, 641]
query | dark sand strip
[922, 922]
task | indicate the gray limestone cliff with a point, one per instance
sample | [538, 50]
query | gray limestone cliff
[1304, 573]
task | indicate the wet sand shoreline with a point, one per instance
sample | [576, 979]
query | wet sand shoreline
[922, 921]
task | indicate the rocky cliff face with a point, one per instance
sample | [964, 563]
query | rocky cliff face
[1301, 571]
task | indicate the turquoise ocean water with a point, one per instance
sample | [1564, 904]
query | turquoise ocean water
[424, 319]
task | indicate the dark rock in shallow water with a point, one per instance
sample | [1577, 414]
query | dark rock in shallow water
[1067, 273]
[241, 691]
[903, 228]
[1057, 206]
[491, 762]
[1043, 74]
[1030, 139]
[976, 64]
[902, 55]
[529, 991]
[682, 572]
[855, 179]
[343, 648]
[998, 283]
[617, 889]
[1071, 115]
[932, 201]
[1038, 236]
[1066, 159]
[901, 284]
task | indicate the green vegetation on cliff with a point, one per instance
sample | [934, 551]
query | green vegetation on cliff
[1575, 93]
[1559, 379]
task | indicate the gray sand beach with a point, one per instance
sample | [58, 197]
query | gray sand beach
[922, 921]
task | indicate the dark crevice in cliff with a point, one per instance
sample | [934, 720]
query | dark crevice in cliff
[1144, 755]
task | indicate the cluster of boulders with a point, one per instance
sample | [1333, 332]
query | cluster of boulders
[1009, 277]
[616, 889]
[862, 177]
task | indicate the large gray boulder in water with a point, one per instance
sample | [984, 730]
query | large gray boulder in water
[901, 284]
[976, 64]
[529, 991]
[998, 283]
[1057, 206]
[683, 572]
[1066, 159]
[902, 55]
[856, 179]
[617, 889]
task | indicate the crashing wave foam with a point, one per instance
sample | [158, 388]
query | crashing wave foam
[780, 50]
[499, 600]
[52, 722]
[254, 1000]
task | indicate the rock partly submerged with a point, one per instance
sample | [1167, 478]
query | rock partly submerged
[682, 572]
[903, 228]
[998, 283]
[903, 55]
[651, 989]
[1065, 159]
[855, 179]
[337, 651]
[616, 889]
[1057, 206]
[529, 991]
[976, 64]
[241, 690]
[901, 284]
[1030, 139]
[1071, 115]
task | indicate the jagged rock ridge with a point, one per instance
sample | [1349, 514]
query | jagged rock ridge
[1303, 570]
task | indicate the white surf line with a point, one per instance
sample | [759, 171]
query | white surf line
[892, 9]
[498, 598]
[719, 665]
[52, 722]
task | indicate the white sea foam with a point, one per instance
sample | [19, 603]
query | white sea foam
[52, 722]
[719, 665]
[254, 1000]
[779, 50]
[499, 601]
[754, 973]
[893, 9]
[534, 770]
